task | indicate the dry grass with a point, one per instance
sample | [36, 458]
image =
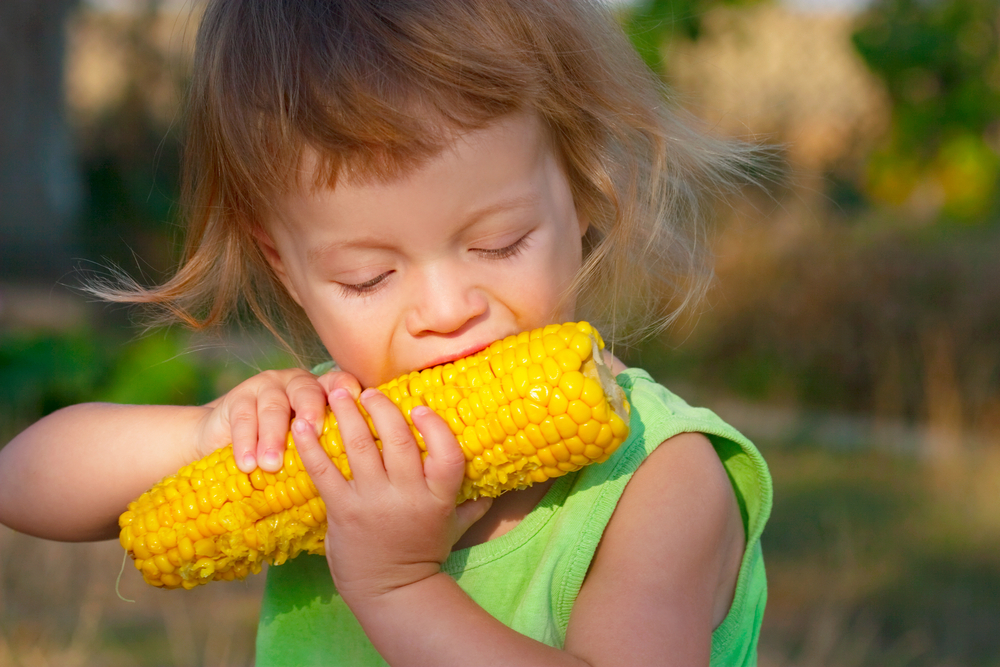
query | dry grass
[58, 607]
[882, 561]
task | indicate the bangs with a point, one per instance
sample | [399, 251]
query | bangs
[374, 88]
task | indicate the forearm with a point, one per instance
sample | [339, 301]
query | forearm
[71, 474]
[433, 622]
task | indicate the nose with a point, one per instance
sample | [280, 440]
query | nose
[444, 299]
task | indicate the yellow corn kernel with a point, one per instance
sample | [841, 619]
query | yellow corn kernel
[292, 488]
[575, 446]
[506, 420]
[523, 445]
[540, 394]
[578, 411]
[535, 437]
[558, 403]
[571, 384]
[568, 360]
[559, 452]
[565, 425]
[553, 344]
[536, 412]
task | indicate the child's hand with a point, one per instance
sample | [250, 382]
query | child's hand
[255, 415]
[396, 521]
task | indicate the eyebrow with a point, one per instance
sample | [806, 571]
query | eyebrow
[524, 201]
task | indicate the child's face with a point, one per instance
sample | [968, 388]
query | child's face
[478, 243]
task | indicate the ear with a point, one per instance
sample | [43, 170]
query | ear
[270, 252]
[584, 223]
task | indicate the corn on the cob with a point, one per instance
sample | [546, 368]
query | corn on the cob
[528, 408]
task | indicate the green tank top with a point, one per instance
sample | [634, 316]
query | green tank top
[529, 577]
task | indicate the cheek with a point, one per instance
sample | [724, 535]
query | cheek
[544, 289]
[359, 347]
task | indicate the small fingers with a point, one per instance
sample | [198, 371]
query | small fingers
[324, 474]
[340, 380]
[308, 399]
[273, 416]
[362, 453]
[259, 411]
[444, 466]
[470, 512]
[400, 453]
[243, 433]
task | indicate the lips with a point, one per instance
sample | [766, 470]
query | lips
[466, 352]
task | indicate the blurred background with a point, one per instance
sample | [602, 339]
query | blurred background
[853, 333]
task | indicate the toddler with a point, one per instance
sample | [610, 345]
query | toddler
[398, 183]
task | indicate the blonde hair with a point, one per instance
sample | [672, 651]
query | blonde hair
[368, 84]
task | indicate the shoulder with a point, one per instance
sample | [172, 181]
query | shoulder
[668, 561]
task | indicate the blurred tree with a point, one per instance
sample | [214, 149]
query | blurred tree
[940, 61]
[39, 185]
[652, 23]
[129, 148]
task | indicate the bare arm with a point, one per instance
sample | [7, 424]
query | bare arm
[70, 475]
[665, 572]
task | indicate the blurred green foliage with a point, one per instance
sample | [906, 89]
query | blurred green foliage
[41, 372]
[650, 24]
[940, 62]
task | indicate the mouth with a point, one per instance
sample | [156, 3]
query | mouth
[466, 352]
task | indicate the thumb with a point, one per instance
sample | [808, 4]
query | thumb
[470, 512]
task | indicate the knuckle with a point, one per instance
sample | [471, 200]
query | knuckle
[454, 457]
[242, 416]
[360, 441]
[305, 386]
[267, 377]
[240, 446]
[398, 439]
[347, 515]
[338, 379]
[271, 407]
[319, 465]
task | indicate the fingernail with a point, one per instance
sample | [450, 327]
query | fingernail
[420, 411]
[249, 461]
[271, 458]
[340, 392]
[369, 392]
[300, 425]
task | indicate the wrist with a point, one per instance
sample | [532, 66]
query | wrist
[381, 592]
[200, 442]
[381, 614]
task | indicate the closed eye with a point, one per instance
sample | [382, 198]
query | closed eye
[508, 251]
[366, 288]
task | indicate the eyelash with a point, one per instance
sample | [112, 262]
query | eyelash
[366, 288]
[510, 251]
[369, 287]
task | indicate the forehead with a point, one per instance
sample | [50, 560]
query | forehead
[505, 165]
[387, 164]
